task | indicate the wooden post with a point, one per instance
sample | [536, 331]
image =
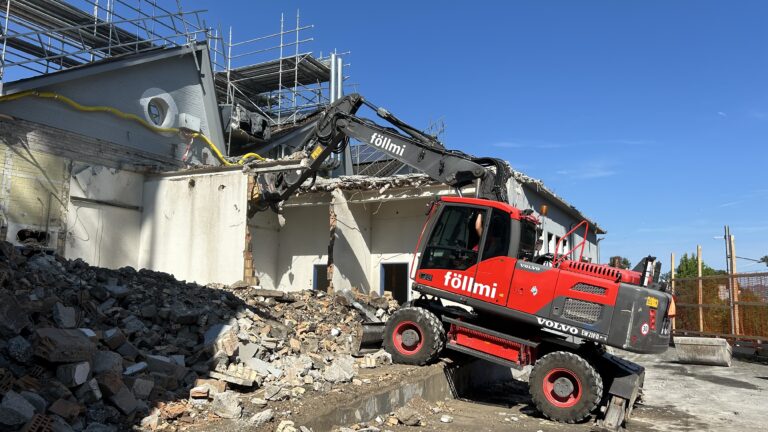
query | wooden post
[701, 289]
[734, 287]
[672, 282]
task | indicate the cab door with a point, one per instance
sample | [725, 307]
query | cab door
[449, 258]
[496, 267]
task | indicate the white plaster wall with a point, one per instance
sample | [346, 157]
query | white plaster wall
[351, 250]
[303, 242]
[395, 229]
[195, 232]
[104, 235]
[265, 243]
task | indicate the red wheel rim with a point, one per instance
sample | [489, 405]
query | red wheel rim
[403, 338]
[568, 390]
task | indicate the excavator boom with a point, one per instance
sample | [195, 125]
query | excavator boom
[339, 123]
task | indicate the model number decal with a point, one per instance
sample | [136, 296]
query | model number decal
[565, 328]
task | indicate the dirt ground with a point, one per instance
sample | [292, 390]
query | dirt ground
[678, 397]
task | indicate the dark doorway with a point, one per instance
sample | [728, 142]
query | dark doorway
[320, 278]
[394, 278]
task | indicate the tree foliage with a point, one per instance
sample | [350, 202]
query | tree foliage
[688, 267]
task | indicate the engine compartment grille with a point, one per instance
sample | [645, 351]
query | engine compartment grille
[582, 311]
[592, 289]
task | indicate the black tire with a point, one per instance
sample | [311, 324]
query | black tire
[570, 371]
[414, 335]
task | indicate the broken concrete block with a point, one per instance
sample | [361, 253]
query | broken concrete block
[104, 361]
[65, 409]
[148, 311]
[142, 388]
[90, 334]
[236, 374]
[12, 317]
[263, 368]
[214, 386]
[185, 316]
[261, 418]
[200, 392]
[703, 351]
[36, 400]
[73, 374]
[124, 400]
[114, 338]
[10, 419]
[341, 370]
[110, 383]
[286, 426]
[16, 403]
[246, 351]
[408, 416]
[89, 392]
[136, 368]
[19, 349]
[115, 290]
[227, 405]
[128, 351]
[64, 316]
[63, 345]
[165, 365]
[98, 427]
[276, 393]
[223, 337]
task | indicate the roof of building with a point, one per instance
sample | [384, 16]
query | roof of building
[358, 182]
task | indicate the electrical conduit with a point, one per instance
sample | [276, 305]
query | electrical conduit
[127, 116]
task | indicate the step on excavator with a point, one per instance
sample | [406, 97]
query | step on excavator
[484, 289]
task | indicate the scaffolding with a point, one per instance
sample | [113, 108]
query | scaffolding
[45, 36]
[282, 89]
[274, 76]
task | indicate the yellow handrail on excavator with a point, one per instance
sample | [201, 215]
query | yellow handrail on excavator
[127, 116]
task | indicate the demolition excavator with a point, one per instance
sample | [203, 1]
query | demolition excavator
[484, 289]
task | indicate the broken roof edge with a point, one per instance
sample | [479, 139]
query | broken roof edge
[538, 186]
[358, 182]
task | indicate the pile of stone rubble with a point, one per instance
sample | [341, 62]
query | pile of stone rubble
[87, 348]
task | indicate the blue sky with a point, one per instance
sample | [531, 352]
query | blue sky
[650, 117]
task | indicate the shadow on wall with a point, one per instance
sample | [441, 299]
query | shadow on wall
[82, 346]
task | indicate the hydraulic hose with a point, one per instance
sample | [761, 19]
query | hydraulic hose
[127, 116]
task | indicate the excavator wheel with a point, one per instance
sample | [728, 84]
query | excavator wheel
[414, 335]
[565, 387]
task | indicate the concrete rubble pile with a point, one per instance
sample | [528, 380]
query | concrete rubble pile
[87, 348]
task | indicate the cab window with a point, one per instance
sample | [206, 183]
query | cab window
[497, 238]
[455, 239]
[528, 238]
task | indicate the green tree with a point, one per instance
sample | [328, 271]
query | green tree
[764, 260]
[688, 267]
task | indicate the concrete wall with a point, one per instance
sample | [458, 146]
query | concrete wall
[396, 227]
[33, 193]
[194, 226]
[265, 240]
[303, 243]
[180, 77]
[104, 233]
[352, 248]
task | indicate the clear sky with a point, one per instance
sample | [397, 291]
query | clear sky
[650, 117]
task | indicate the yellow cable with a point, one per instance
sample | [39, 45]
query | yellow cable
[127, 116]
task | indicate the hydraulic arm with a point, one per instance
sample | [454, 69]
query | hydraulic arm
[339, 123]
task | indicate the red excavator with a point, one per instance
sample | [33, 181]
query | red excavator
[484, 288]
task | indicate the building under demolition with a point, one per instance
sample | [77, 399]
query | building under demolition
[120, 144]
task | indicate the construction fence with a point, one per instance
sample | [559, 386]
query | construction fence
[731, 306]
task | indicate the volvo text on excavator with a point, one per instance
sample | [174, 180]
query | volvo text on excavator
[484, 288]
